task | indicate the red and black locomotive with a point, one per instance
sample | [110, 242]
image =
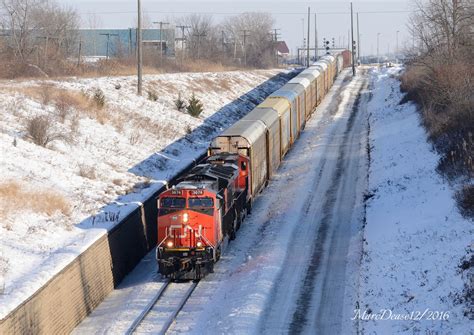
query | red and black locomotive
[197, 214]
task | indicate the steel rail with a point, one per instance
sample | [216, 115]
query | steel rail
[147, 309]
[183, 301]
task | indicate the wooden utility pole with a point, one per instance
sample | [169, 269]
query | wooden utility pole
[275, 34]
[79, 54]
[199, 42]
[161, 23]
[307, 38]
[139, 46]
[182, 39]
[358, 39]
[245, 45]
[315, 39]
[352, 43]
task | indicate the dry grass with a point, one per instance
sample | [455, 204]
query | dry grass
[15, 197]
[44, 94]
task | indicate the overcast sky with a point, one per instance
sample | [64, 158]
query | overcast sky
[333, 18]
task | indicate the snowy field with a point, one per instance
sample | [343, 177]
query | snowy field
[57, 200]
[414, 238]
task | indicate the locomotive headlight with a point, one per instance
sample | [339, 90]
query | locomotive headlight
[169, 244]
[185, 217]
[199, 244]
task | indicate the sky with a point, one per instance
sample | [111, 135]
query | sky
[382, 18]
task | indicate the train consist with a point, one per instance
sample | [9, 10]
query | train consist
[207, 205]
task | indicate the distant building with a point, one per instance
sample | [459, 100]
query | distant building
[282, 49]
[123, 42]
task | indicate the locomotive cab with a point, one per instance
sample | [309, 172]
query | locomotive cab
[188, 232]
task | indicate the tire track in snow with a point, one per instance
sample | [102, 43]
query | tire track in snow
[302, 314]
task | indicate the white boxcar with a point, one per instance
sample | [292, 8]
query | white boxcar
[247, 138]
[310, 94]
[272, 122]
[292, 98]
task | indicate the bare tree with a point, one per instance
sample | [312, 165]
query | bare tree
[251, 36]
[38, 28]
[443, 27]
[17, 20]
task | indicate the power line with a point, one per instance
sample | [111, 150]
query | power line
[243, 12]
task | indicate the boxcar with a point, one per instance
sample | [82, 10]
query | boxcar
[292, 99]
[247, 138]
[282, 108]
[300, 102]
[273, 141]
[309, 94]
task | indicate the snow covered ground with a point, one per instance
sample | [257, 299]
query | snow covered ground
[414, 237]
[57, 200]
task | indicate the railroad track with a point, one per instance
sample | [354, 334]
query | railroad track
[171, 293]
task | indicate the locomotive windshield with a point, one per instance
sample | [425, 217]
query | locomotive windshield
[201, 202]
[173, 202]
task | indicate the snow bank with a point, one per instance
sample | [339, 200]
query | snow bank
[414, 237]
[117, 157]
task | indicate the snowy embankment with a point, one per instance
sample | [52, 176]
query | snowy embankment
[414, 237]
[58, 199]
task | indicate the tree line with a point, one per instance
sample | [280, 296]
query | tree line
[439, 77]
[41, 37]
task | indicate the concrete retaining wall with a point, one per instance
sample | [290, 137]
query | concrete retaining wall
[63, 302]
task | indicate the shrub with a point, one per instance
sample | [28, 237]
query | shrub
[188, 129]
[62, 108]
[465, 200]
[152, 95]
[99, 98]
[180, 103]
[195, 106]
[46, 92]
[40, 130]
[87, 172]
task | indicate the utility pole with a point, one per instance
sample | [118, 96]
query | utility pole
[307, 38]
[396, 50]
[315, 39]
[199, 42]
[358, 39]
[139, 45]
[275, 34]
[223, 41]
[378, 59]
[108, 40]
[352, 40]
[183, 38]
[79, 54]
[245, 45]
[161, 23]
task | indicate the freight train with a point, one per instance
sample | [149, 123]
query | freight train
[206, 206]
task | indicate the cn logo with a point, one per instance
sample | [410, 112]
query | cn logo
[182, 231]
